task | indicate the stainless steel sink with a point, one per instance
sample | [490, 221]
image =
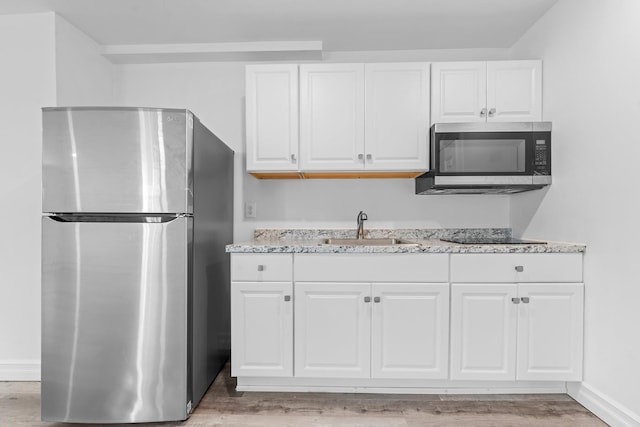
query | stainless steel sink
[367, 242]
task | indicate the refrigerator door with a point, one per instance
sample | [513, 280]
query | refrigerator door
[117, 160]
[114, 320]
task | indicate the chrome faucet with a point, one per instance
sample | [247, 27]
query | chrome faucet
[362, 217]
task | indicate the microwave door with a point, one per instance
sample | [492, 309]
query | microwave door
[483, 154]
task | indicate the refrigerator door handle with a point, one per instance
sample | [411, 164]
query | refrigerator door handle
[126, 218]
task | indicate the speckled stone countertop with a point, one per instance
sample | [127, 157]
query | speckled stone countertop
[422, 241]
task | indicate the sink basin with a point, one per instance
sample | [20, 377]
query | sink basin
[367, 242]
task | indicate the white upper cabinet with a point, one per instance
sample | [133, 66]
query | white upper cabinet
[331, 117]
[337, 118]
[396, 116]
[514, 91]
[458, 92]
[498, 91]
[272, 117]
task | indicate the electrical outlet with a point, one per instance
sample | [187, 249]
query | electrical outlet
[250, 209]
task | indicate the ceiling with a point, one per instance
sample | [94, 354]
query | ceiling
[341, 25]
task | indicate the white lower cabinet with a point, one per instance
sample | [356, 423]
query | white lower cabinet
[262, 315]
[391, 320]
[483, 332]
[332, 330]
[377, 330]
[409, 330]
[517, 331]
[550, 331]
[262, 329]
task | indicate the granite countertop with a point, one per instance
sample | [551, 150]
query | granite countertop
[422, 241]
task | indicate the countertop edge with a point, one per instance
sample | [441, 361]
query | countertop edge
[420, 247]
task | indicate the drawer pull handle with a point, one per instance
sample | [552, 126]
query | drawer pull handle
[525, 300]
[260, 267]
[367, 299]
[287, 298]
[519, 268]
[376, 299]
[515, 300]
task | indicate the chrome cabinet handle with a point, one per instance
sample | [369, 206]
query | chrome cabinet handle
[492, 112]
[367, 299]
[376, 299]
[525, 300]
[519, 268]
[293, 157]
[369, 157]
[515, 300]
[287, 298]
[260, 267]
[483, 112]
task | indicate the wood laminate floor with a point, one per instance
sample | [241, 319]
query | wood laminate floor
[223, 406]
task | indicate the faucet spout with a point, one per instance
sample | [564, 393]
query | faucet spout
[362, 217]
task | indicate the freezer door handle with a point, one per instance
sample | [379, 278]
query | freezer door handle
[135, 218]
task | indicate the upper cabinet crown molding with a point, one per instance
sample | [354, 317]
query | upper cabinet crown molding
[498, 91]
[205, 52]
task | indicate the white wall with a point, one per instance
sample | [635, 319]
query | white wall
[215, 93]
[83, 76]
[27, 83]
[45, 62]
[591, 53]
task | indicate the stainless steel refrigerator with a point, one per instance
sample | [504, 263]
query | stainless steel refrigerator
[137, 209]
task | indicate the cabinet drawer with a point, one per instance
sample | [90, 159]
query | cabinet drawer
[352, 267]
[261, 267]
[514, 268]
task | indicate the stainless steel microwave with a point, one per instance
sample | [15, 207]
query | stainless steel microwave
[487, 158]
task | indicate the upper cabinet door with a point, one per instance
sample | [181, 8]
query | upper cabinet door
[272, 117]
[514, 91]
[397, 116]
[458, 92]
[332, 117]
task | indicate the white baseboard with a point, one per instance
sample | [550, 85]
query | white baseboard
[396, 386]
[607, 409]
[19, 370]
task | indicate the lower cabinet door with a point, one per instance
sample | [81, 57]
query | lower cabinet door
[550, 331]
[483, 331]
[409, 331]
[332, 333]
[262, 329]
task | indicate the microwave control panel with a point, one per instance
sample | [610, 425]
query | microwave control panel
[542, 157]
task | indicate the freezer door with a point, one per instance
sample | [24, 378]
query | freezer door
[117, 160]
[114, 320]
